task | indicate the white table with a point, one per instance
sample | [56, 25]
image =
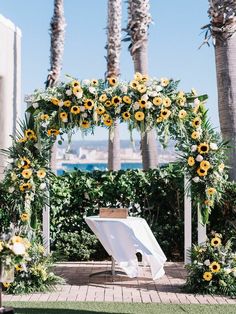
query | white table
[123, 238]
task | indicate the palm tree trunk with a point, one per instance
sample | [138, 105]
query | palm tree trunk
[223, 27]
[139, 20]
[57, 32]
[113, 70]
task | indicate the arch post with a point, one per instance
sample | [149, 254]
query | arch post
[187, 220]
[46, 225]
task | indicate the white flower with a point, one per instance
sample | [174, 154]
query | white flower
[61, 103]
[207, 262]
[82, 108]
[199, 158]
[228, 270]
[84, 115]
[149, 105]
[35, 105]
[79, 95]
[152, 94]
[234, 273]
[136, 106]
[193, 148]
[196, 101]
[18, 248]
[11, 189]
[43, 186]
[213, 146]
[158, 88]
[68, 92]
[144, 97]
[86, 82]
[92, 89]
[124, 89]
[13, 176]
[196, 179]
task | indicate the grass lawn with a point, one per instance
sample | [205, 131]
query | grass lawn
[121, 308]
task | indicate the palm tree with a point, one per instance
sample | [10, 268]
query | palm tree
[139, 19]
[113, 70]
[223, 27]
[57, 32]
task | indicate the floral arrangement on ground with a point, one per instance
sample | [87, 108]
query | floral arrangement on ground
[213, 267]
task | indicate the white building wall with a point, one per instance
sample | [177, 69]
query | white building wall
[10, 84]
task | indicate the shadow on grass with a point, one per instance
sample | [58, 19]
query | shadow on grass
[58, 311]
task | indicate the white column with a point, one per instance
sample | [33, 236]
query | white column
[46, 226]
[201, 229]
[187, 220]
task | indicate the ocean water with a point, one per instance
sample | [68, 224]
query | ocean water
[95, 166]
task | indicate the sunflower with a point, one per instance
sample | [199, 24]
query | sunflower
[25, 186]
[180, 94]
[182, 114]
[24, 217]
[18, 268]
[94, 82]
[100, 110]
[64, 116]
[181, 101]
[126, 115]
[41, 173]
[138, 76]
[6, 284]
[191, 161]
[214, 267]
[75, 83]
[116, 100]
[142, 103]
[159, 119]
[195, 135]
[30, 134]
[27, 173]
[203, 148]
[76, 90]
[53, 132]
[215, 242]
[75, 110]
[207, 276]
[134, 84]
[166, 102]
[67, 103]
[89, 104]
[55, 101]
[44, 116]
[211, 191]
[127, 100]
[144, 78]
[106, 116]
[139, 116]
[112, 81]
[142, 89]
[108, 103]
[103, 98]
[85, 124]
[24, 163]
[157, 101]
[108, 122]
[164, 82]
[17, 239]
[22, 140]
[201, 172]
[208, 202]
[196, 122]
[165, 113]
[205, 165]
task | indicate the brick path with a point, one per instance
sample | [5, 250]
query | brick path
[81, 287]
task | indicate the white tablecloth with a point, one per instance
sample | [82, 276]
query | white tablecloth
[123, 238]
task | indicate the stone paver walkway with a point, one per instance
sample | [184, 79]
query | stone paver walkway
[80, 286]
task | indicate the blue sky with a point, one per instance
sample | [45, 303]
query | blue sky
[173, 44]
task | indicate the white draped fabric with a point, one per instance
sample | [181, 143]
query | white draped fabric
[123, 238]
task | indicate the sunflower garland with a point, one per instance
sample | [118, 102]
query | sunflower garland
[143, 103]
